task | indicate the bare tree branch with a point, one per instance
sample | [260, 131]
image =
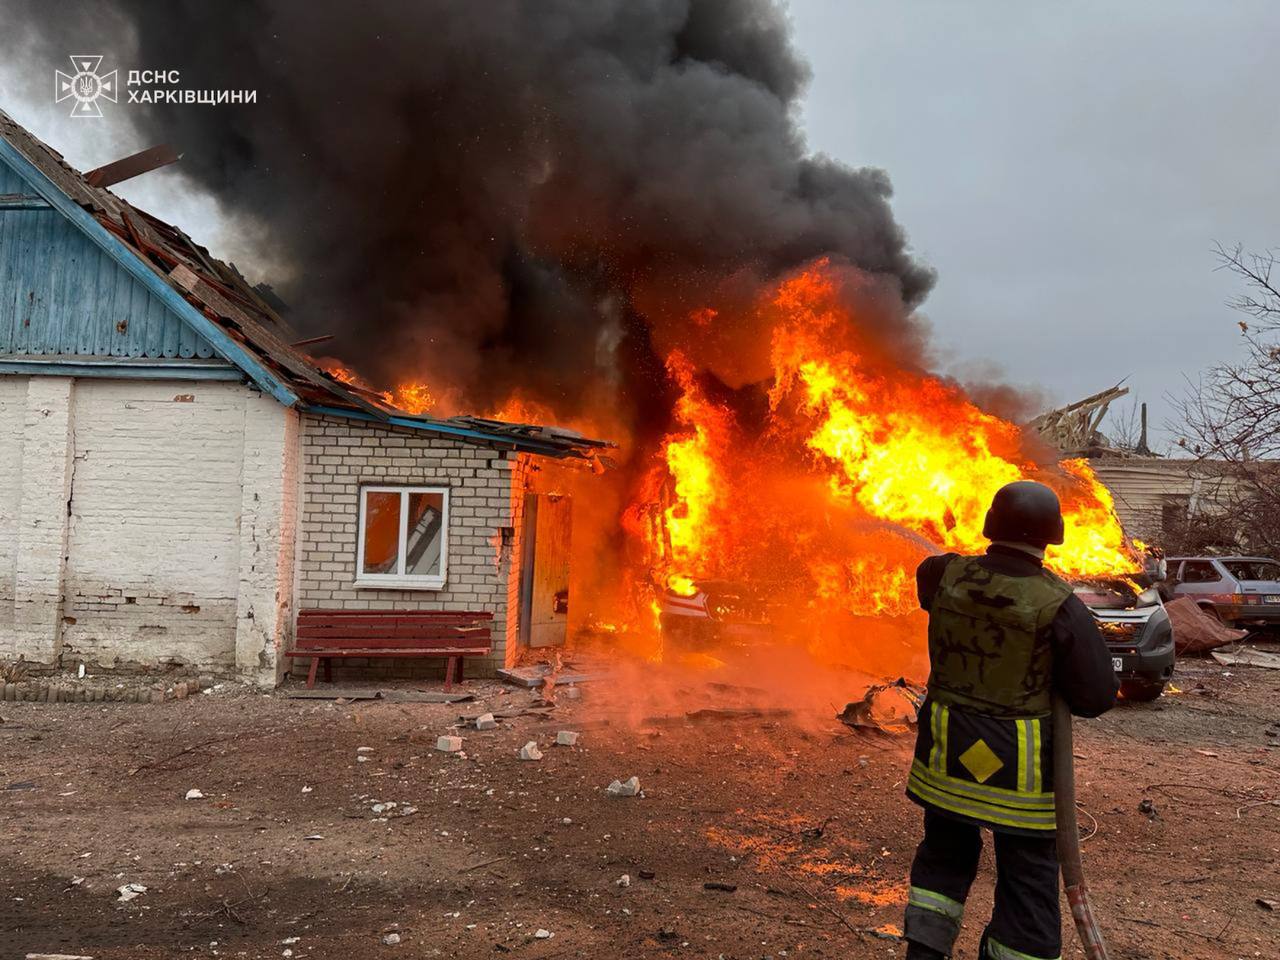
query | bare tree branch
[1230, 419]
[1261, 299]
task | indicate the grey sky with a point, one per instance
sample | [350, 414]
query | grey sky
[1065, 167]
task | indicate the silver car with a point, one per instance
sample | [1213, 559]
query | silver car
[1237, 590]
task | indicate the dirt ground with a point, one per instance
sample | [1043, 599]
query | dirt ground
[803, 820]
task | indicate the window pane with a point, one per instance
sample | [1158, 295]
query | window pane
[1253, 570]
[381, 532]
[1199, 573]
[426, 534]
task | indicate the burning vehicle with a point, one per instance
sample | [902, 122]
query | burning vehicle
[704, 613]
[800, 519]
[1136, 628]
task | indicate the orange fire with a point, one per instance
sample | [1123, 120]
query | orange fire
[691, 519]
[340, 371]
[418, 397]
[914, 450]
[412, 396]
[863, 468]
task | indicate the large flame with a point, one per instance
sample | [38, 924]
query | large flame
[914, 450]
[809, 499]
[690, 520]
[863, 468]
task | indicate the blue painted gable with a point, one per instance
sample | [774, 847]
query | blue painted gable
[63, 295]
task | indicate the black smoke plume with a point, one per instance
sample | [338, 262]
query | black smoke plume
[507, 192]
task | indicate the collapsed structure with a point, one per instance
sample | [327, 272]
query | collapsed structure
[179, 478]
[1154, 495]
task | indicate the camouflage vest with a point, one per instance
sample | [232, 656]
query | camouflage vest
[988, 647]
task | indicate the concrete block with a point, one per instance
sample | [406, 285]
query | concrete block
[530, 751]
[567, 738]
[449, 744]
[486, 722]
[630, 788]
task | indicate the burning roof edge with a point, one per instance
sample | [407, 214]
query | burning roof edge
[549, 441]
[214, 298]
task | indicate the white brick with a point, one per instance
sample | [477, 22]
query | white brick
[475, 580]
[161, 525]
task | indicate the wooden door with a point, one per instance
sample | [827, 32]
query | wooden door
[544, 581]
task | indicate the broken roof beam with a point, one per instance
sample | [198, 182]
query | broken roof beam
[205, 290]
[134, 165]
[1072, 428]
[312, 341]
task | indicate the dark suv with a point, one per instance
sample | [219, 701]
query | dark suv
[1138, 634]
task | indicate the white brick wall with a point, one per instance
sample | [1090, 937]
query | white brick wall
[340, 455]
[154, 544]
[146, 522]
[13, 407]
[42, 517]
[268, 527]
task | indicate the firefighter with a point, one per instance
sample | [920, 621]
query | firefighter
[1004, 635]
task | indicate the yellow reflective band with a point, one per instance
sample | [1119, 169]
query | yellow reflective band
[956, 790]
[929, 900]
[986, 794]
[976, 810]
[944, 721]
[998, 951]
[980, 813]
[937, 753]
[1024, 759]
[1037, 775]
[933, 736]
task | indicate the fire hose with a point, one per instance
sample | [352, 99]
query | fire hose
[1064, 787]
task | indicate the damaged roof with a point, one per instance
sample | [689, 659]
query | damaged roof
[214, 299]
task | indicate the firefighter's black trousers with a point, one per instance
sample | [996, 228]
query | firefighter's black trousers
[1025, 924]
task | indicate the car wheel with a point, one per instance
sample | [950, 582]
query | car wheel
[1143, 691]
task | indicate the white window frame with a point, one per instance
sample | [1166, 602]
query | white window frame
[403, 581]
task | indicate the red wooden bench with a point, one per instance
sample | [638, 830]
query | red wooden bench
[325, 634]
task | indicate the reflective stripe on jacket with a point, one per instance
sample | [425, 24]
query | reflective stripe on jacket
[993, 771]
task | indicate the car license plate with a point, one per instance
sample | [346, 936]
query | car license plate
[1117, 663]
[1271, 598]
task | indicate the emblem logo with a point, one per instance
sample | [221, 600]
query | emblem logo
[85, 86]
